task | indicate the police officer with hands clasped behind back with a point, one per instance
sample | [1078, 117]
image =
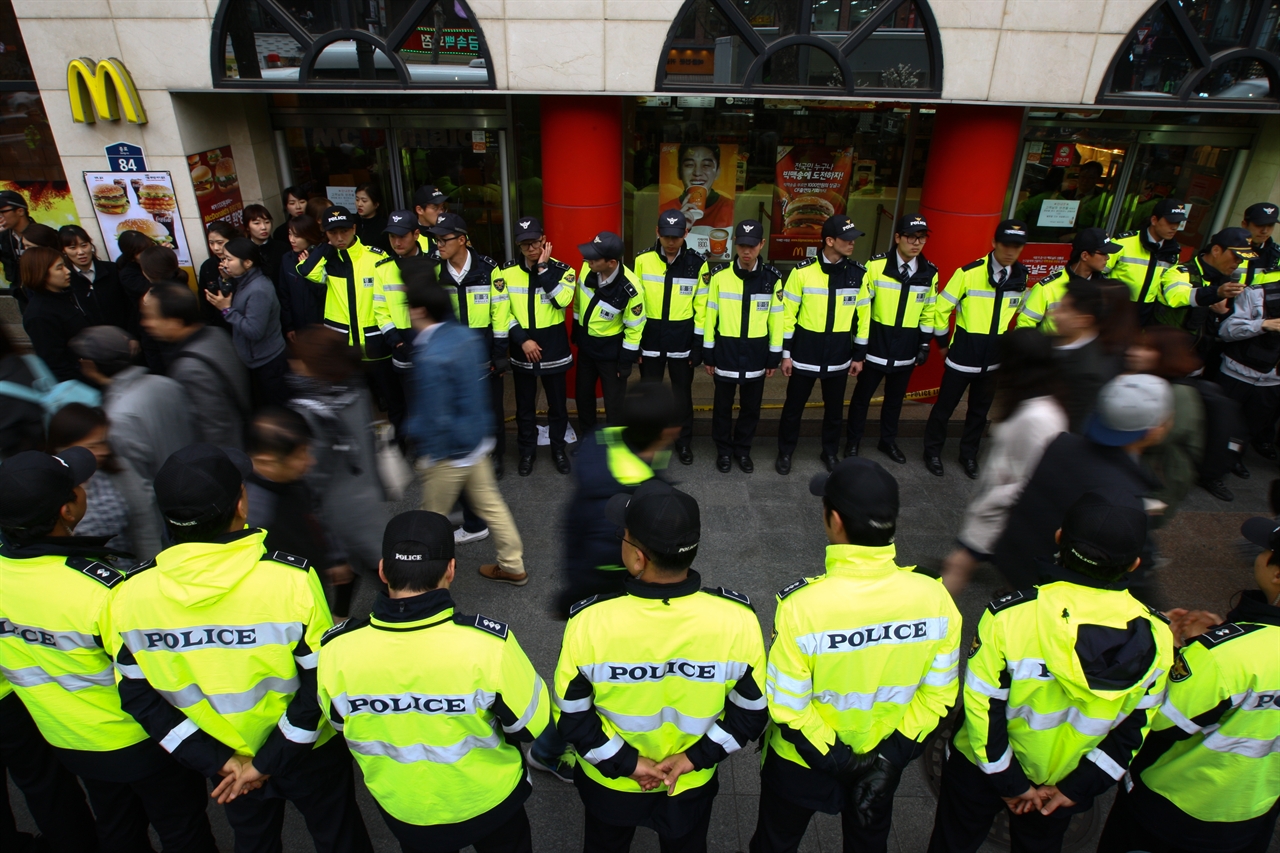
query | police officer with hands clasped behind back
[864, 665]
[538, 289]
[674, 293]
[53, 670]
[984, 295]
[741, 342]
[819, 301]
[607, 325]
[1062, 683]
[216, 649]
[895, 310]
[436, 741]
[658, 684]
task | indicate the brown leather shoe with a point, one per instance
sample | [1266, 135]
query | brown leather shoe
[494, 572]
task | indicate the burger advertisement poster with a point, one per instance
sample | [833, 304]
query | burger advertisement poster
[812, 184]
[700, 179]
[213, 176]
[137, 201]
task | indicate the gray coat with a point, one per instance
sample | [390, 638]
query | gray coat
[255, 319]
[150, 416]
[217, 384]
[145, 523]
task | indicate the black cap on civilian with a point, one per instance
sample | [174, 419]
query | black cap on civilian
[671, 223]
[605, 246]
[1094, 241]
[1101, 537]
[865, 495]
[401, 222]
[10, 198]
[201, 483]
[528, 228]
[841, 227]
[1012, 232]
[1170, 209]
[748, 233]
[658, 517]
[448, 224]
[35, 485]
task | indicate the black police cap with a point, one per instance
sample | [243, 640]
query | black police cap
[401, 222]
[672, 223]
[840, 227]
[200, 482]
[528, 228]
[449, 223]
[337, 217]
[605, 246]
[748, 233]
[1094, 241]
[1012, 232]
[35, 485]
[1262, 213]
[1098, 529]
[1170, 209]
[416, 537]
[658, 516]
[860, 489]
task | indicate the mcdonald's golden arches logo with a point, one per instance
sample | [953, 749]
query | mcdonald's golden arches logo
[107, 86]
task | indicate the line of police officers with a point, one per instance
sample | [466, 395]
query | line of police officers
[217, 664]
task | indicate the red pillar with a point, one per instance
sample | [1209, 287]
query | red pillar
[581, 170]
[971, 159]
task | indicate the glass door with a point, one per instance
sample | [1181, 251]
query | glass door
[1067, 185]
[333, 161]
[468, 164]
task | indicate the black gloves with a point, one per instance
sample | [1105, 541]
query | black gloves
[624, 370]
[873, 788]
[923, 355]
[501, 364]
[695, 356]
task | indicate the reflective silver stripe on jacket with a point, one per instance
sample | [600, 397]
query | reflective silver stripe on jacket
[854, 701]
[460, 704]
[425, 752]
[178, 734]
[34, 676]
[686, 723]
[194, 637]
[230, 703]
[524, 718]
[34, 635]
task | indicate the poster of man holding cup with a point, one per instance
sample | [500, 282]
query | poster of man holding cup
[699, 179]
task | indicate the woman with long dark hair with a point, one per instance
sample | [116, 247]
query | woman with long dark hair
[295, 204]
[94, 281]
[301, 301]
[1029, 415]
[53, 315]
[133, 283]
[371, 219]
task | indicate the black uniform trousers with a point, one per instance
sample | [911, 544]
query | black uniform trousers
[799, 387]
[982, 390]
[1126, 831]
[1259, 405]
[511, 836]
[968, 805]
[895, 391]
[601, 837]
[681, 371]
[781, 824]
[173, 800]
[498, 402]
[526, 409]
[613, 388]
[53, 796]
[322, 787]
[735, 439]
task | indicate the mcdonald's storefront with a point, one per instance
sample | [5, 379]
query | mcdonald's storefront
[596, 115]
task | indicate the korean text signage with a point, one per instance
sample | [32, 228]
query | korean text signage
[812, 183]
[217, 186]
[142, 202]
[103, 90]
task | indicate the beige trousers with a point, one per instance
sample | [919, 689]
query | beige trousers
[441, 486]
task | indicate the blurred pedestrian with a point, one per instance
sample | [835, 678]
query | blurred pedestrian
[203, 360]
[119, 506]
[1250, 353]
[451, 423]
[94, 281]
[21, 421]
[151, 416]
[159, 266]
[15, 219]
[211, 278]
[1028, 416]
[133, 284]
[53, 315]
[1083, 348]
[253, 311]
[301, 301]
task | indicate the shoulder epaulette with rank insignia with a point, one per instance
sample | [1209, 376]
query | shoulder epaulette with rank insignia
[648, 251]
[698, 254]
[1159, 615]
[1050, 277]
[346, 627]
[288, 559]
[375, 250]
[795, 585]
[1186, 268]
[561, 264]
[383, 261]
[716, 268]
[973, 265]
[101, 572]
[1013, 599]
[1126, 234]
[729, 594]
[934, 571]
[630, 289]
[771, 268]
[509, 264]
[879, 257]
[806, 263]
[579, 606]
[139, 568]
[483, 623]
[1225, 632]
[486, 259]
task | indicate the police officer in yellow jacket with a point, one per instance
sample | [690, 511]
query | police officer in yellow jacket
[390, 305]
[53, 669]
[1062, 684]
[1091, 252]
[895, 310]
[539, 288]
[819, 301]
[984, 295]
[741, 342]
[437, 742]
[467, 276]
[428, 204]
[215, 650]
[607, 326]
[348, 269]
[1260, 221]
[670, 274]
[657, 685]
[864, 665]
[1147, 254]
[1208, 775]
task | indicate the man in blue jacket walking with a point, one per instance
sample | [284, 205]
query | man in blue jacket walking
[451, 422]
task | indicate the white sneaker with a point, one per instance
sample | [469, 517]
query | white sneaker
[462, 537]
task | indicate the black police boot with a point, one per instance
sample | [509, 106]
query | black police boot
[723, 463]
[783, 464]
[745, 463]
[829, 460]
[1218, 489]
[560, 460]
[1239, 470]
[526, 465]
[850, 449]
[970, 468]
[888, 448]
[685, 453]
[933, 464]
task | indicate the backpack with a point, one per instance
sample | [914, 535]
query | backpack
[1224, 429]
[47, 392]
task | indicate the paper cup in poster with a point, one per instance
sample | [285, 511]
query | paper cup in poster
[811, 185]
[700, 179]
[217, 186]
[132, 201]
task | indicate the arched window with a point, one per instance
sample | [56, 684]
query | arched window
[1206, 54]
[837, 47]
[397, 44]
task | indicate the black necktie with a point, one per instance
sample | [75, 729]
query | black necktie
[1004, 273]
